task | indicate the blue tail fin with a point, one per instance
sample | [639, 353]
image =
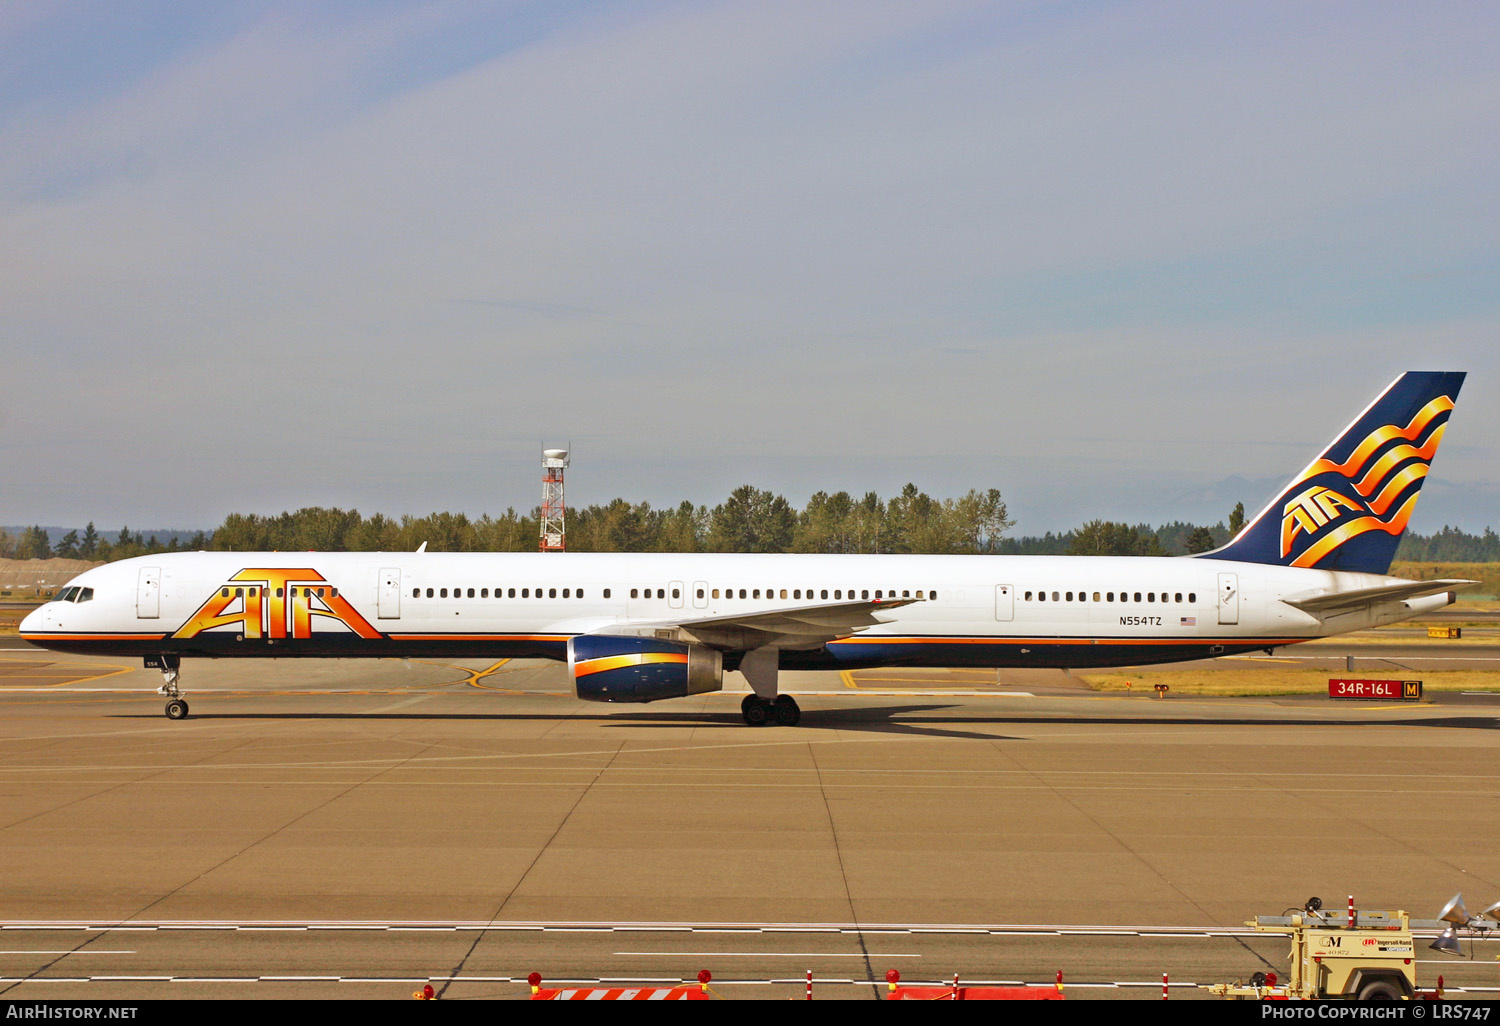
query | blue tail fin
[1348, 508]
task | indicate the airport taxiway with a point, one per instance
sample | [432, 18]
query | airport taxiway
[352, 829]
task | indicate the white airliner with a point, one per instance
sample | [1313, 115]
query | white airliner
[637, 628]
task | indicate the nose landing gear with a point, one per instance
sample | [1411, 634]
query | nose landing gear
[171, 670]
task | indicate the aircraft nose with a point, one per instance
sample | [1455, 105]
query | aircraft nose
[33, 621]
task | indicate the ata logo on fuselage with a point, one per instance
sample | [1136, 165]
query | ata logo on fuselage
[275, 603]
[1311, 511]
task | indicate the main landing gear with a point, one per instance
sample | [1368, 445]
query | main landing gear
[758, 712]
[171, 671]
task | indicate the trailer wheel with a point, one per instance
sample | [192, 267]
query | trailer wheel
[1379, 990]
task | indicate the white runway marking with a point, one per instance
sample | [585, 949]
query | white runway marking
[1154, 930]
[760, 954]
[616, 981]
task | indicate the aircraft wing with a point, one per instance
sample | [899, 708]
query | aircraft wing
[1321, 603]
[791, 627]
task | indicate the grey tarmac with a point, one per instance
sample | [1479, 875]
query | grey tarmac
[340, 829]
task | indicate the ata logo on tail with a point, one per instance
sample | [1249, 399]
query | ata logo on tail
[1349, 507]
[1379, 484]
[275, 603]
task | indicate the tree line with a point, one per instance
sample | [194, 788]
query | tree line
[749, 520]
[35, 543]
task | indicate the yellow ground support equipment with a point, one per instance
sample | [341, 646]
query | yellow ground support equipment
[1366, 955]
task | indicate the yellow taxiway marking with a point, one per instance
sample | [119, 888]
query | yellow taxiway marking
[847, 676]
[926, 680]
[64, 683]
[472, 677]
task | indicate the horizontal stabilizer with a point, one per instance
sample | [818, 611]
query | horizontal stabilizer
[1327, 602]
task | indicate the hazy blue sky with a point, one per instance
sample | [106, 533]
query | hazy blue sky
[1098, 255]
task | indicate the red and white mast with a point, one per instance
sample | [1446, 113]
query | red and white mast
[554, 532]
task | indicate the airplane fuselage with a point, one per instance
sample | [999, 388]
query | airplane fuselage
[985, 611]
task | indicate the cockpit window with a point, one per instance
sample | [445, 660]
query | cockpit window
[66, 595]
[84, 594]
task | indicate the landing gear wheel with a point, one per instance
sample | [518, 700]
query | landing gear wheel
[177, 709]
[755, 711]
[786, 710]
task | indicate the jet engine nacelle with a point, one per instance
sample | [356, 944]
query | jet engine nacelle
[607, 668]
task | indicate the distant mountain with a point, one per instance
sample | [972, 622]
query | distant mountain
[1469, 507]
[1211, 504]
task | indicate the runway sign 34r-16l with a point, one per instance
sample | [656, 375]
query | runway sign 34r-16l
[1397, 690]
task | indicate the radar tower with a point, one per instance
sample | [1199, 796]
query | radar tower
[554, 532]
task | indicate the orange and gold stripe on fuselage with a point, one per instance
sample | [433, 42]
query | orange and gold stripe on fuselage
[851, 653]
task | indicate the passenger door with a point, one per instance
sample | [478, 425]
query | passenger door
[148, 593]
[1229, 598]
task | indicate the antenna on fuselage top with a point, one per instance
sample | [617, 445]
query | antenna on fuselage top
[422, 547]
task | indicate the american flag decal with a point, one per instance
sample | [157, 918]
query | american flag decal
[1189, 621]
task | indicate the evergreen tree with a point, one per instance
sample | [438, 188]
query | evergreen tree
[1236, 519]
[68, 547]
[1201, 540]
[34, 544]
[751, 520]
